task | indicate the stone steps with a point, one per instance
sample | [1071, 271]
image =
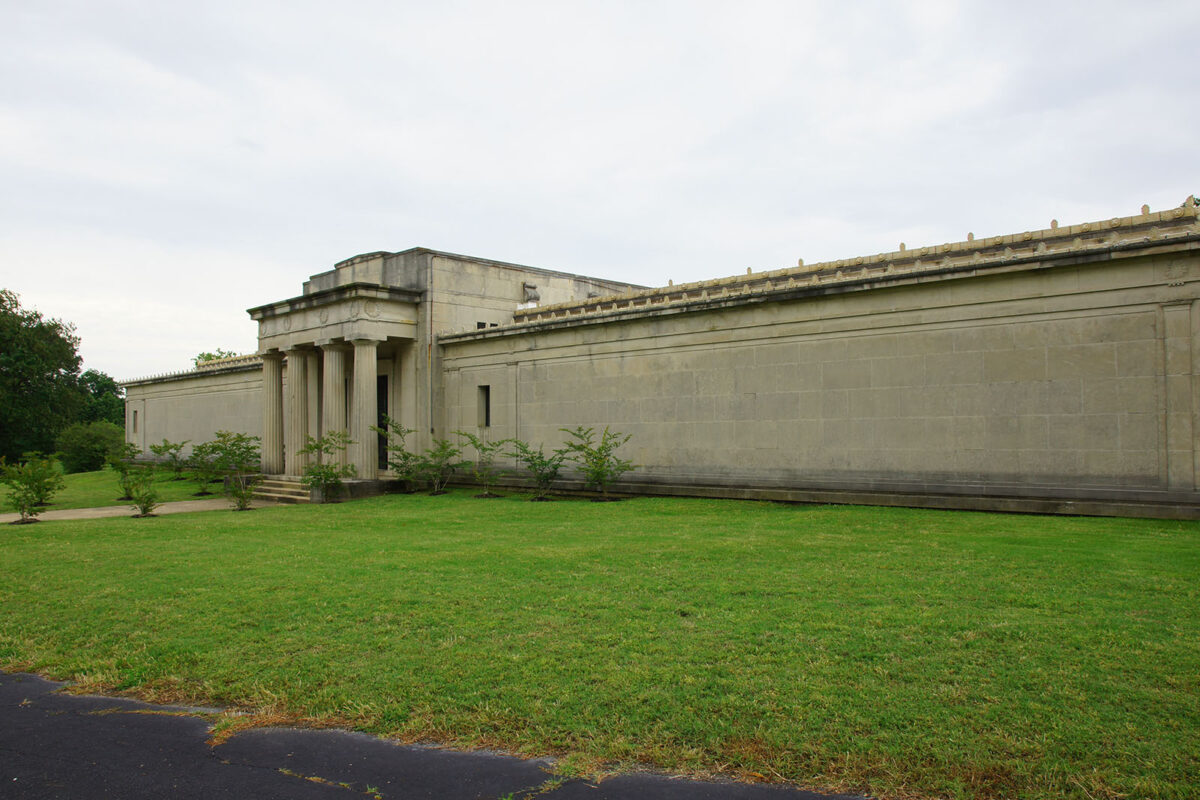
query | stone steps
[282, 490]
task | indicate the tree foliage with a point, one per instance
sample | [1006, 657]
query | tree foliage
[123, 461]
[216, 355]
[171, 454]
[405, 464]
[325, 471]
[39, 373]
[103, 399]
[238, 456]
[437, 464]
[84, 446]
[144, 492]
[204, 466]
[484, 467]
[31, 483]
[542, 468]
[597, 459]
[41, 389]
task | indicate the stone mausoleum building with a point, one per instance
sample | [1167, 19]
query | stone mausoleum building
[1046, 370]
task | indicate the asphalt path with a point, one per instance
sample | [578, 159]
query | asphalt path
[58, 745]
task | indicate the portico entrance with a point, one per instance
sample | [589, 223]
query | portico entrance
[333, 361]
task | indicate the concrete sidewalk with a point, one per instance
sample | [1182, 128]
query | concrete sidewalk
[177, 507]
[55, 745]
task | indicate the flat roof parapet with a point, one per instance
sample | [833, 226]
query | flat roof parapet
[1055, 241]
[217, 366]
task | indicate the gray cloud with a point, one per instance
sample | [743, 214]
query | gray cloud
[167, 166]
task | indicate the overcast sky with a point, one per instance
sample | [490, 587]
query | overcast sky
[165, 166]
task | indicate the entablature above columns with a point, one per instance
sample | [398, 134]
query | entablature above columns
[359, 311]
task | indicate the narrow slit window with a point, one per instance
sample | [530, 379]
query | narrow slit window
[485, 406]
[480, 326]
[135, 421]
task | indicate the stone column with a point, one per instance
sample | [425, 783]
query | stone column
[407, 387]
[365, 412]
[295, 423]
[272, 441]
[314, 394]
[333, 392]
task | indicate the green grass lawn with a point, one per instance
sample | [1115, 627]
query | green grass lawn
[100, 488]
[899, 652]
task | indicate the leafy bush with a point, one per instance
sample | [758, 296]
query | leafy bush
[597, 460]
[484, 468]
[215, 355]
[172, 454]
[83, 447]
[145, 493]
[328, 474]
[32, 483]
[542, 468]
[237, 455]
[437, 464]
[405, 464]
[122, 460]
[204, 466]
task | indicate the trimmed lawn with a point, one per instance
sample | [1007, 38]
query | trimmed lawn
[904, 653]
[100, 488]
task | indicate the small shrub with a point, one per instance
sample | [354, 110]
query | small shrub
[122, 461]
[83, 447]
[597, 460]
[484, 468]
[327, 474]
[31, 483]
[145, 493]
[238, 458]
[542, 468]
[404, 463]
[172, 454]
[437, 464]
[204, 467]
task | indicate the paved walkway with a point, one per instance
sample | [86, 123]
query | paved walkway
[55, 745]
[177, 507]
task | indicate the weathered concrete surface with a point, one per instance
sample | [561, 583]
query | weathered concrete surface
[1027, 370]
[55, 745]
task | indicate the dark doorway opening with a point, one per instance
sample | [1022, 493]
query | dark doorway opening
[381, 400]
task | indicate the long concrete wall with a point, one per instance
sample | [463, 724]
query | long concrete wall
[1062, 378]
[193, 406]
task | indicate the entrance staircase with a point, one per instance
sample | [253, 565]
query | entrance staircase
[282, 490]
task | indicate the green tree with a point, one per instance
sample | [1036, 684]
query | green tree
[238, 457]
[405, 464]
[84, 447]
[204, 466]
[438, 463]
[103, 399]
[122, 459]
[597, 460]
[39, 375]
[542, 468]
[484, 468]
[144, 492]
[328, 473]
[171, 454]
[216, 355]
[32, 484]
